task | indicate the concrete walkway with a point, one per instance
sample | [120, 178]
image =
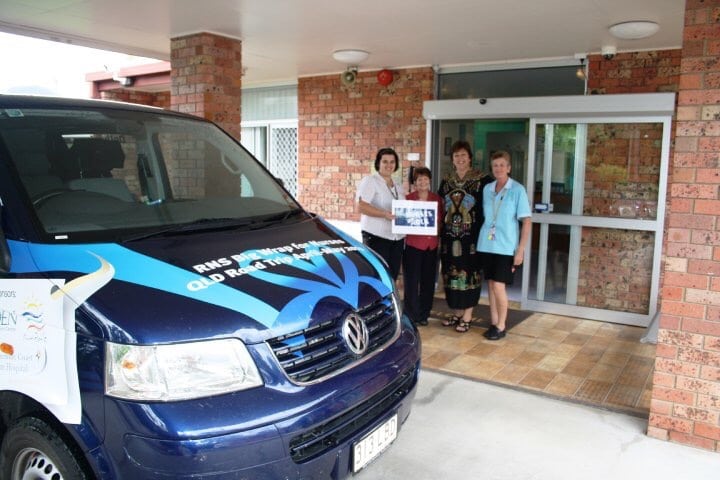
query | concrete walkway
[461, 429]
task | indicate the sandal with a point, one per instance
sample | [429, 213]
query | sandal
[463, 326]
[451, 322]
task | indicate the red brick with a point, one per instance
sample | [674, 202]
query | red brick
[672, 293]
[660, 407]
[667, 351]
[686, 280]
[710, 373]
[696, 414]
[669, 322]
[706, 267]
[707, 430]
[674, 395]
[693, 441]
[708, 401]
[659, 433]
[702, 222]
[683, 309]
[701, 326]
[691, 81]
[687, 384]
[670, 423]
[677, 367]
[684, 175]
[681, 205]
[708, 144]
[712, 343]
[694, 190]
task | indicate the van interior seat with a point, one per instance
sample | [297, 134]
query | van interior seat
[96, 157]
[27, 148]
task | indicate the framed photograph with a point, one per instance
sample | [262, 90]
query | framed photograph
[414, 217]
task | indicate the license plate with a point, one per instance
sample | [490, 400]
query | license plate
[374, 443]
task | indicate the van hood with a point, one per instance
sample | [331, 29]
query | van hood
[255, 284]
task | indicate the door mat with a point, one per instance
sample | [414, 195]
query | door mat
[481, 314]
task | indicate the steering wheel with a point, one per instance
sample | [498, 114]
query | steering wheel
[45, 196]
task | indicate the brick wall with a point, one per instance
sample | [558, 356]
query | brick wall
[635, 72]
[685, 403]
[206, 73]
[340, 128]
[158, 99]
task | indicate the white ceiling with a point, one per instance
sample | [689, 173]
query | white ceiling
[286, 39]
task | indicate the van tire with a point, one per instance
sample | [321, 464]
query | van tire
[32, 446]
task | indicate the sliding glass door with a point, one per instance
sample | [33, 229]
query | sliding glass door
[597, 188]
[595, 168]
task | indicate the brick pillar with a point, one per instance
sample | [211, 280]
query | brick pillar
[206, 72]
[685, 406]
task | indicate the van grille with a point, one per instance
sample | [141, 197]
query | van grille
[334, 432]
[319, 351]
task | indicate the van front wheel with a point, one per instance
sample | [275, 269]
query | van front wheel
[32, 449]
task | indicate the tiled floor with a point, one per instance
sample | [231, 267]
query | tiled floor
[584, 361]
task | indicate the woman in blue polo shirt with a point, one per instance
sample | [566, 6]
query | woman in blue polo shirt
[505, 204]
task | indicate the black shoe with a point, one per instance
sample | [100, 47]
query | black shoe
[422, 322]
[496, 335]
[490, 331]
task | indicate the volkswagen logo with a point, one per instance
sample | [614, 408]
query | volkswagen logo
[355, 333]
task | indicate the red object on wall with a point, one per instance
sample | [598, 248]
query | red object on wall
[385, 77]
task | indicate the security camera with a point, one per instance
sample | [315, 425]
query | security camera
[609, 52]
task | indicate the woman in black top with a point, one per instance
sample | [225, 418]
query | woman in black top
[462, 194]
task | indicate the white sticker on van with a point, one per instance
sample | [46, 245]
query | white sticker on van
[32, 340]
[38, 341]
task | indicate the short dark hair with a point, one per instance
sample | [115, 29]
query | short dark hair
[420, 171]
[386, 151]
[462, 145]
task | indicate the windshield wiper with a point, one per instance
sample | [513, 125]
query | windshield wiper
[195, 225]
[268, 220]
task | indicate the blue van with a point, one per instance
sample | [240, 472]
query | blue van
[169, 311]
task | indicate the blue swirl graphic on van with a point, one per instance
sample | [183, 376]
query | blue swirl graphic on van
[329, 283]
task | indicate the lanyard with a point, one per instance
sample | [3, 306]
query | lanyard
[496, 209]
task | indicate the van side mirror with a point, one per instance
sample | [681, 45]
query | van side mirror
[5, 258]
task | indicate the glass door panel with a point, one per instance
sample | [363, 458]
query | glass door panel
[596, 235]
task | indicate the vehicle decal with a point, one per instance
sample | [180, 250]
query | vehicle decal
[37, 326]
[308, 257]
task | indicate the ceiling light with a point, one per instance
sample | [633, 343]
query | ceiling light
[350, 56]
[634, 30]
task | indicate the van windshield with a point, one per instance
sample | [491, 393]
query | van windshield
[109, 174]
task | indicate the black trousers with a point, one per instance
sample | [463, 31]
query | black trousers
[419, 275]
[390, 250]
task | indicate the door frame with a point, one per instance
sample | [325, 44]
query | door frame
[625, 108]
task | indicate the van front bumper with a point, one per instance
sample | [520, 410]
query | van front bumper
[271, 451]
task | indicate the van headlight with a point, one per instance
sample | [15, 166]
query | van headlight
[179, 371]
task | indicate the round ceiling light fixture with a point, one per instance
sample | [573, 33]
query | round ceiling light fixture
[350, 56]
[634, 30]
